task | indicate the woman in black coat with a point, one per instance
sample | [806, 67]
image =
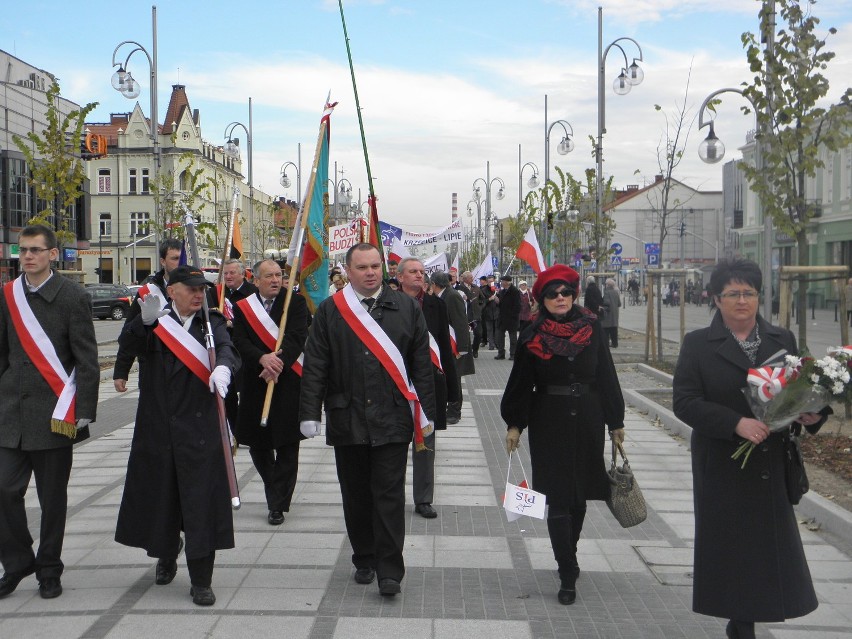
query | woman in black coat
[749, 561]
[564, 388]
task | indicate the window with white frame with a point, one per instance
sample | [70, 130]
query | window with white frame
[131, 182]
[139, 224]
[146, 186]
[106, 224]
[104, 181]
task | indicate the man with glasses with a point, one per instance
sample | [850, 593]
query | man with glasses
[49, 378]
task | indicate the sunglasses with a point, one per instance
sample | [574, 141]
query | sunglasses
[566, 293]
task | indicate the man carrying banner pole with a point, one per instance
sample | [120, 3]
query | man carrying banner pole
[367, 357]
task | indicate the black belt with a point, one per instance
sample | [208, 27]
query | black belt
[574, 390]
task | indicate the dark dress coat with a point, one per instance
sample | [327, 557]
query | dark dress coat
[176, 472]
[593, 298]
[566, 434]
[62, 308]
[490, 311]
[510, 308]
[363, 404]
[457, 312]
[749, 561]
[283, 424]
[446, 382]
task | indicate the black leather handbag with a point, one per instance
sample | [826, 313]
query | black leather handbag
[794, 469]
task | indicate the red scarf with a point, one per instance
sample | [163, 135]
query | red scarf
[566, 338]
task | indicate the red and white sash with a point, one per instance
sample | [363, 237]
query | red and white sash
[267, 330]
[184, 346]
[435, 353]
[381, 346]
[453, 344]
[40, 350]
[228, 307]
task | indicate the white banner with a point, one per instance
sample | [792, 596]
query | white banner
[343, 237]
[449, 234]
[436, 263]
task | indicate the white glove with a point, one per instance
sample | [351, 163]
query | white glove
[310, 428]
[151, 310]
[83, 422]
[219, 380]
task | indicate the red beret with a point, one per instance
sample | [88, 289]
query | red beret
[556, 273]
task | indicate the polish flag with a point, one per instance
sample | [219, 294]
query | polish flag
[530, 253]
[398, 251]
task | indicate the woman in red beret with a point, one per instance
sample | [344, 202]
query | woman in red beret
[564, 388]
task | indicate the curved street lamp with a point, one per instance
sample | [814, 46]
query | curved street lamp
[532, 183]
[630, 76]
[124, 82]
[565, 146]
[712, 150]
[488, 182]
[232, 148]
[287, 183]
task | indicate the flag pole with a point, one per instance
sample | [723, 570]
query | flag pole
[229, 239]
[296, 266]
[374, 233]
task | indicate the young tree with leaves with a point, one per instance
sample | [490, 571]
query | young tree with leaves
[794, 130]
[56, 169]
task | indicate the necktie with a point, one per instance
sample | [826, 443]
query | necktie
[267, 305]
[368, 302]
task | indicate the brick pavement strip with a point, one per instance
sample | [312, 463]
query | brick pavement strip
[470, 573]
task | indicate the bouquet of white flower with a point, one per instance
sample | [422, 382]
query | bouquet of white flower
[777, 396]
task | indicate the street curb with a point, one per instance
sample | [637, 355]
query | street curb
[830, 517]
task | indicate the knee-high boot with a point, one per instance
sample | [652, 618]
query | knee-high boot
[561, 539]
[578, 516]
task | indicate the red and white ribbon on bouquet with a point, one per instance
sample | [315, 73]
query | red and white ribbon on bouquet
[769, 380]
[840, 350]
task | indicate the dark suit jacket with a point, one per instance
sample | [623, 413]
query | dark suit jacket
[510, 308]
[458, 319]
[26, 401]
[446, 383]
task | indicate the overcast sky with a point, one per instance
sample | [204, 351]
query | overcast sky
[445, 85]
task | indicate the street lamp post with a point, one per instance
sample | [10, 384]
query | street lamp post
[532, 183]
[566, 145]
[287, 183]
[712, 150]
[478, 203]
[124, 82]
[232, 148]
[629, 77]
[489, 185]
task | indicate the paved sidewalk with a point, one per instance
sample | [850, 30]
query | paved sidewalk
[469, 572]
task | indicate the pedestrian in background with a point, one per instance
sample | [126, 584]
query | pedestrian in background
[509, 303]
[749, 562]
[611, 305]
[526, 306]
[475, 303]
[460, 334]
[593, 298]
[564, 388]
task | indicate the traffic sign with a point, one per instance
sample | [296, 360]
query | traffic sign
[616, 248]
[653, 259]
[652, 248]
[615, 261]
[578, 264]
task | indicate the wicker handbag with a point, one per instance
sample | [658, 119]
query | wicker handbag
[625, 501]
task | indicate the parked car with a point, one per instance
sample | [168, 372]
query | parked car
[109, 300]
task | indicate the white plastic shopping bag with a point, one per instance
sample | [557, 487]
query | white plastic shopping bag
[521, 499]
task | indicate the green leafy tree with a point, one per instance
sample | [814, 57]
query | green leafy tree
[793, 128]
[56, 169]
[186, 187]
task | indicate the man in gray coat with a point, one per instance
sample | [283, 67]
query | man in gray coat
[46, 333]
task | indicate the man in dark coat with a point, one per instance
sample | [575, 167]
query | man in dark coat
[475, 303]
[490, 313]
[593, 298]
[411, 275]
[170, 251]
[274, 448]
[509, 301]
[369, 419]
[176, 476]
[458, 320]
[34, 440]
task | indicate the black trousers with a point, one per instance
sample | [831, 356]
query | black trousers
[372, 483]
[612, 333]
[201, 570]
[423, 471]
[501, 341]
[278, 469]
[477, 337]
[52, 469]
[489, 332]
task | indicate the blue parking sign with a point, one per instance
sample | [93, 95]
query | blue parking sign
[653, 259]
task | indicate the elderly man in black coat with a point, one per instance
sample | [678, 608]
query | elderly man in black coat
[593, 298]
[509, 302]
[176, 475]
[457, 312]
[411, 275]
[274, 448]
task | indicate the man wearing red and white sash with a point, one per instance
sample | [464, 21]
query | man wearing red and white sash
[412, 275]
[176, 477]
[459, 334]
[367, 356]
[274, 448]
[49, 378]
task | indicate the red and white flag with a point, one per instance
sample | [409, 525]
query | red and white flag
[397, 251]
[530, 252]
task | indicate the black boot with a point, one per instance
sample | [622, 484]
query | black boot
[561, 539]
[567, 586]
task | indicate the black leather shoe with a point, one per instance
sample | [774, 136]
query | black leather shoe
[389, 587]
[566, 597]
[166, 571]
[10, 581]
[426, 511]
[452, 420]
[202, 595]
[500, 357]
[365, 576]
[50, 588]
[276, 517]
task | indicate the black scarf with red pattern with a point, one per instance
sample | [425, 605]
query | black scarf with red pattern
[567, 337]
